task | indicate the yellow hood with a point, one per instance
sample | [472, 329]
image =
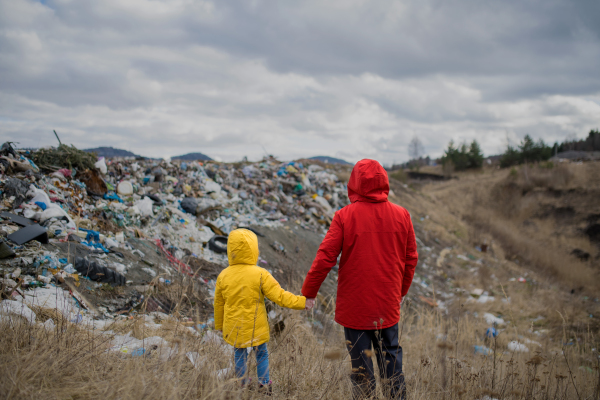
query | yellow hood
[242, 247]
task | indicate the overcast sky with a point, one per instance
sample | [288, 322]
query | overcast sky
[344, 78]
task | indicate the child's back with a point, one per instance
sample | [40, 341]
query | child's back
[240, 291]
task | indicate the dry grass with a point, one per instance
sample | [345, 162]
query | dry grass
[547, 260]
[515, 209]
[439, 361]
[545, 176]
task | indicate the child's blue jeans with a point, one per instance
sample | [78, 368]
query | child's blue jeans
[262, 362]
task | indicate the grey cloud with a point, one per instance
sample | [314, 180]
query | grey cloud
[343, 78]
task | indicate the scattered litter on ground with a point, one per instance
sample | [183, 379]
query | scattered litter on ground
[517, 347]
[491, 319]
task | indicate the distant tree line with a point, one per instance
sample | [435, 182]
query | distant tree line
[462, 157]
[469, 156]
[591, 143]
[530, 151]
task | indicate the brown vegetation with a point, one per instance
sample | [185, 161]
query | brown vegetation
[70, 362]
[537, 214]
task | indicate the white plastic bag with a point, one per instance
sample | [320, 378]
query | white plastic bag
[16, 308]
[101, 165]
[54, 211]
[38, 196]
[145, 206]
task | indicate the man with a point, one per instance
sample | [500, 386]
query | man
[379, 256]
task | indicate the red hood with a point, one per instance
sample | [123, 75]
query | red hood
[368, 182]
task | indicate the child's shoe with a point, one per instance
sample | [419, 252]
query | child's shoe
[266, 389]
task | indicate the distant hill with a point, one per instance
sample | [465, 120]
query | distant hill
[109, 152]
[192, 157]
[330, 160]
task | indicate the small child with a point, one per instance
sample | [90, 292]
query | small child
[240, 312]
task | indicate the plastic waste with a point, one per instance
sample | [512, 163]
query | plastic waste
[189, 205]
[16, 188]
[145, 206]
[517, 347]
[482, 350]
[49, 325]
[97, 272]
[125, 188]
[110, 243]
[8, 282]
[101, 165]
[491, 319]
[69, 269]
[138, 352]
[17, 308]
[120, 268]
[491, 332]
[112, 196]
[54, 211]
[38, 196]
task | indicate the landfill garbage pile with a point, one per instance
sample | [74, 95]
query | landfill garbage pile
[71, 230]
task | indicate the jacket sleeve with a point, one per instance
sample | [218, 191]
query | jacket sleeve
[412, 257]
[219, 306]
[326, 258]
[274, 292]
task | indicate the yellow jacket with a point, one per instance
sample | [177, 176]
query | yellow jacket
[240, 294]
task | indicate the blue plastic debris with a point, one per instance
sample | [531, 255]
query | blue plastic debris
[92, 239]
[138, 352]
[491, 332]
[482, 350]
[112, 196]
[77, 319]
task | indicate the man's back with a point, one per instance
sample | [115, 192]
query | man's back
[377, 242]
[379, 253]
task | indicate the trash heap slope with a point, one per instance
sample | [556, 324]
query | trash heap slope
[116, 231]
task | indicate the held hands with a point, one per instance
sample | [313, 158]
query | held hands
[310, 303]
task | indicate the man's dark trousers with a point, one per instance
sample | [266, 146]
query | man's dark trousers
[384, 343]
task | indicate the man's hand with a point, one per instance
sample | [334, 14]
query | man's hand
[402, 300]
[310, 303]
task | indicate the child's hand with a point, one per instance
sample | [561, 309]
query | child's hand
[310, 303]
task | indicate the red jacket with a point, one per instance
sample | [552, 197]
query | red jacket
[379, 253]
